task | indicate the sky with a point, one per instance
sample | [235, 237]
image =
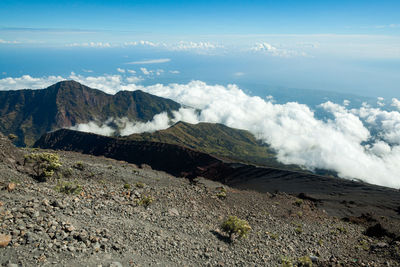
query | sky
[205, 17]
[341, 46]
[316, 80]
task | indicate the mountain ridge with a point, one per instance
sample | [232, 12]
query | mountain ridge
[218, 140]
[29, 113]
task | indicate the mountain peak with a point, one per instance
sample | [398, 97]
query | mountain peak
[67, 84]
[68, 103]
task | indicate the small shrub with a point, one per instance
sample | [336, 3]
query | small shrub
[298, 202]
[221, 189]
[286, 262]
[298, 230]
[221, 195]
[69, 188]
[79, 166]
[67, 172]
[44, 164]
[235, 226]
[222, 192]
[273, 236]
[140, 185]
[12, 136]
[341, 229]
[127, 186]
[145, 201]
[304, 262]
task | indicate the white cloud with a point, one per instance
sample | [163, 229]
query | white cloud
[132, 71]
[238, 74]
[150, 61]
[133, 79]
[174, 71]
[93, 127]
[359, 143]
[89, 71]
[143, 43]
[28, 82]
[396, 103]
[120, 70]
[91, 44]
[268, 49]
[197, 47]
[159, 122]
[8, 42]
[264, 47]
[126, 127]
[145, 71]
[294, 132]
[380, 101]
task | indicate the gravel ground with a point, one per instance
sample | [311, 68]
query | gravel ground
[106, 225]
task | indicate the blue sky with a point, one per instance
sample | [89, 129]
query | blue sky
[206, 17]
[343, 46]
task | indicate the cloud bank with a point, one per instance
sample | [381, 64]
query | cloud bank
[150, 61]
[344, 144]
[268, 49]
[361, 143]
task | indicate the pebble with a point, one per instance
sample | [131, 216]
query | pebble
[4, 240]
[116, 264]
[173, 212]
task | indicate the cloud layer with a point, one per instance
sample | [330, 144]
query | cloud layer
[361, 143]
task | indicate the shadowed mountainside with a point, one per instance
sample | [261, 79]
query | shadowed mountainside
[31, 113]
[218, 140]
[337, 196]
[9, 154]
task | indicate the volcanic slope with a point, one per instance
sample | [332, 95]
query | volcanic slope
[106, 221]
[339, 197]
[218, 140]
[30, 113]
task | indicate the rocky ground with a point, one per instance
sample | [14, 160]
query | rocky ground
[106, 222]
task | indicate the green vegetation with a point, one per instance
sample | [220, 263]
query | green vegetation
[298, 202]
[273, 236]
[145, 201]
[140, 185]
[69, 188]
[127, 186]
[299, 228]
[341, 229]
[286, 262]
[304, 261]
[12, 136]
[363, 244]
[221, 194]
[234, 226]
[79, 166]
[44, 164]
